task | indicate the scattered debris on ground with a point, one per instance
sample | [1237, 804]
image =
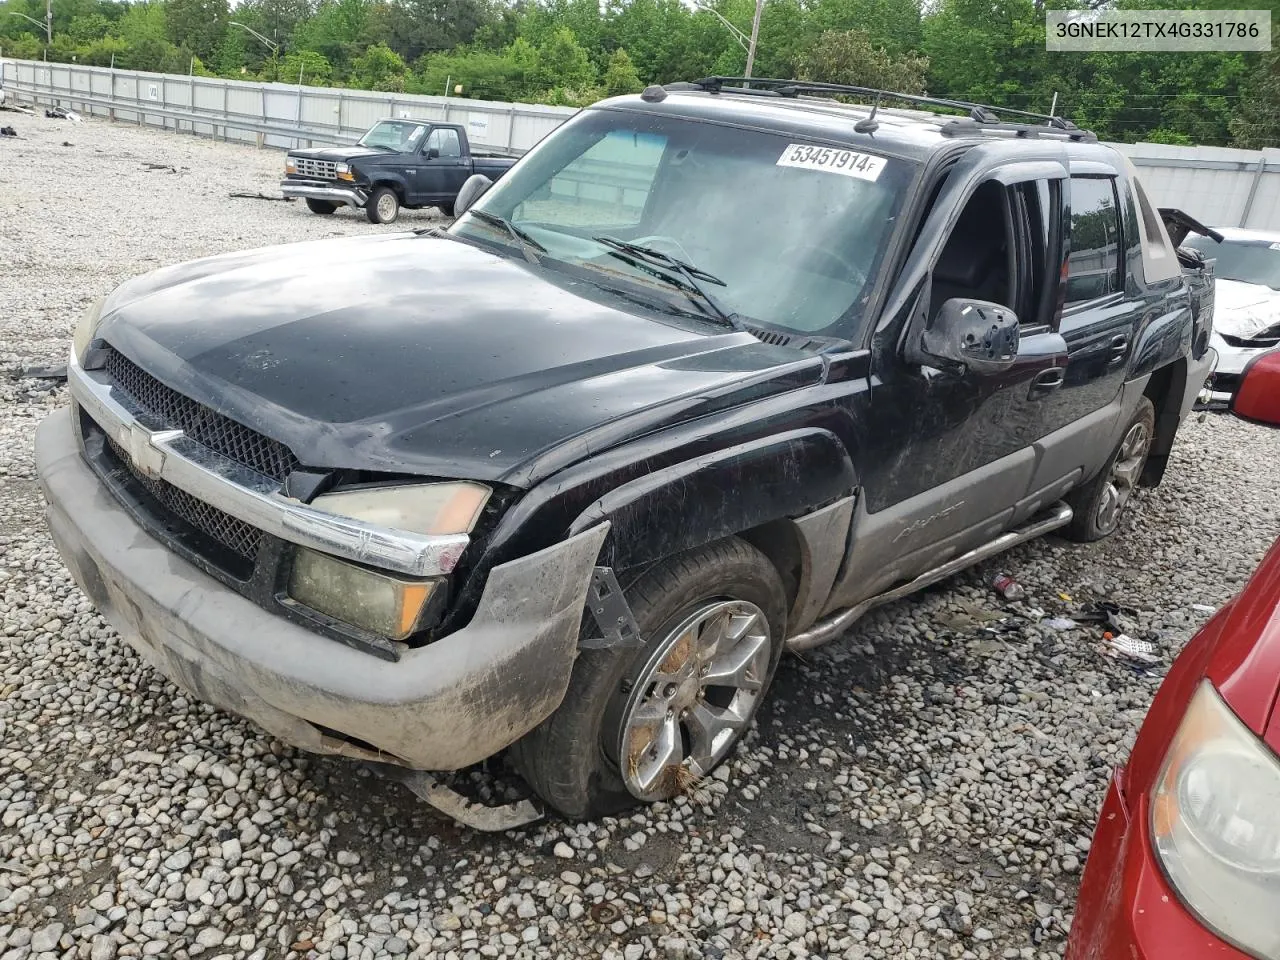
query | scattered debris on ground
[62, 113]
[238, 195]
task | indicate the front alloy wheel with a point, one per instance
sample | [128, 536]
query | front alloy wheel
[646, 724]
[694, 697]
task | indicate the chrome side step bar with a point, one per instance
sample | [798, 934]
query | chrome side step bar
[1059, 515]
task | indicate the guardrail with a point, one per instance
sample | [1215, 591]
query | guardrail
[1219, 185]
[269, 114]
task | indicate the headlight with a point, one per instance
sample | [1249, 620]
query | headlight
[290, 165]
[380, 602]
[344, 171]
[1215, 826]
[433, 509]
[86, 327]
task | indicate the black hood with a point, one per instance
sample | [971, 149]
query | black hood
[337, 154]
[429, 356]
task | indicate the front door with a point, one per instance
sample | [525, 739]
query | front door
[442, 169]
[951, 454]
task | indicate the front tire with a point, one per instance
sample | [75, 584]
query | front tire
[1099, 504]
[322, 207]
[445, 208]
[639, 725]
[383, 206]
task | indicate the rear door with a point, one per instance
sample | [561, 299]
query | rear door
[1101, 310]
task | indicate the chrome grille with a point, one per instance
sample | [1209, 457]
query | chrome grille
[322, 169]
[239, 537]
[221, 434]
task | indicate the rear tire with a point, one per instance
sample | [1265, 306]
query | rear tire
[660, 703]
[322, 207]
[1100, 503]
[445, 208]
[383, 206]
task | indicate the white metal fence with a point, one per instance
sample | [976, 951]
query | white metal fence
[269, 114]
[1219, 185]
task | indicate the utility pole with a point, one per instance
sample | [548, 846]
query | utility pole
[47, 26]
[755, 35]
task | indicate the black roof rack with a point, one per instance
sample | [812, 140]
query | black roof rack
[980, 116]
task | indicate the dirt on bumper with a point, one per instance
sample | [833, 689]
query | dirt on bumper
[439, 707]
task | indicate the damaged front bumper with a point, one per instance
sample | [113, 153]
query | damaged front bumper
[443, 706]
[322, 190]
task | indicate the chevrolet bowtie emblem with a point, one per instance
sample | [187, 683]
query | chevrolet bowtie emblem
[145, 448]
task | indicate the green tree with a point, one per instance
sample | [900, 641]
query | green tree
[416, 27]
[620, 77]
[379, 68]
[233, 53]
[563, 63]
[1257, 122]
[312, 67]
[338, 30]
[847, 56]
[196, 24]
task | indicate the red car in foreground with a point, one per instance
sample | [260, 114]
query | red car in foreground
[1185, 861]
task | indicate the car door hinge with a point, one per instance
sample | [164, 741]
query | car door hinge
[615, 624]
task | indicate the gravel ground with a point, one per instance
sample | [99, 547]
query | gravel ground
[924, 787]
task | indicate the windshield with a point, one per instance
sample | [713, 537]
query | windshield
[403, 135]
[1254, 262]
[790, 233]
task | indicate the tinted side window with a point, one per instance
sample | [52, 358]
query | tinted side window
[1041, 203]
[445, 141]
[449, 144]
[1093, 267]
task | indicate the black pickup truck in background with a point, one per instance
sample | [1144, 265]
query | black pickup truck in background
[398, 163]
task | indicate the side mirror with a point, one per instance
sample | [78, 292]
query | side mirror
[472, 189]
[1257, 397]
[433, 153]
[974, 336]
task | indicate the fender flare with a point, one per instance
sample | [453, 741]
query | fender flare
[385, 178]
[776, 478]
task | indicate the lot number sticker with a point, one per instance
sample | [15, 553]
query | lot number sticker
[830, 160]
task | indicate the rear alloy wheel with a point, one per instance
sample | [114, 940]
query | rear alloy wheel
[322, 207]
[383, 206]
[1099, 504]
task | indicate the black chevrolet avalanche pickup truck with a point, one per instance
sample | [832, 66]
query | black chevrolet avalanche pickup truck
[397, 163]
[711, 372]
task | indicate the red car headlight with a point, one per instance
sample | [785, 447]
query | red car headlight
[1215, 824]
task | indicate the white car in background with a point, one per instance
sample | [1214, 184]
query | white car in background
[1246, 314]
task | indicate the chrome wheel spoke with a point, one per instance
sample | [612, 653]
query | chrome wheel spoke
[665, 750]
[1126, 471]
[710, 730]
[712, 635]
[734, 669]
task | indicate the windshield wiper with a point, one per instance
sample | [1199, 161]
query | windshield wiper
[525, 241]
[649, 256]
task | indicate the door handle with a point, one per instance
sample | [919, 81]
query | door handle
[1047, 381]
[1119, 345]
